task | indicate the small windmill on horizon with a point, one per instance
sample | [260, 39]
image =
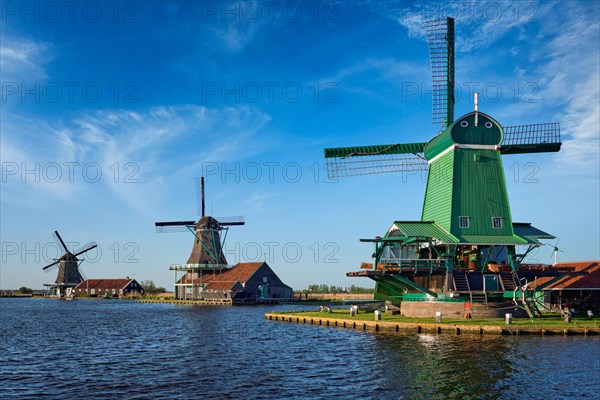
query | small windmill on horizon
[68, 264]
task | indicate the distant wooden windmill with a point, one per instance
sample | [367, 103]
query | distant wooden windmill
[68, 275]
[207, 252]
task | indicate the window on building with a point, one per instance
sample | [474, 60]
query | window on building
[463, 222]
[497, 222]
[265, 279]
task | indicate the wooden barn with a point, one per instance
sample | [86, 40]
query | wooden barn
[579, 292]
[126, 287]
[243, 283]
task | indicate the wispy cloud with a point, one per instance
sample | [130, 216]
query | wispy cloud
[235, 35]
[571, 80]
[480, 23]
[235, 23]
[23, 59]
[388, 68]
[145, 148]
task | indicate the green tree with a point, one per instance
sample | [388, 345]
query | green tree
[360, 290]
[25, 290]
[151, 289]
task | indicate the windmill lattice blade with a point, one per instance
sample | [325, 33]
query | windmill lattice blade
[61, 241]
[440, 36]
[174, 223]
[55, 263]
[340, 167]
[173, 229]
[358, 151]
[173, 226]
[231, 221]
[533, 138]
[88, 247]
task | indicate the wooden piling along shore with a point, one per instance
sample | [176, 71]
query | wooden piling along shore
[425, 327]
[191, 302]
[210, 302]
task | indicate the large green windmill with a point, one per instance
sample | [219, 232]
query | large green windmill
[465, 244]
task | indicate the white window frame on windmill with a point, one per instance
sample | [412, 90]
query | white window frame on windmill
[464, 218]
[497, 222]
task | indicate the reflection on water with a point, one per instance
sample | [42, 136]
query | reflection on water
[119, 349]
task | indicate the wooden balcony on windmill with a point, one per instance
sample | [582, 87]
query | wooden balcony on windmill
[365, 265]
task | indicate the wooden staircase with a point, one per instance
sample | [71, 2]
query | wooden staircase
[461, 283]
[479, 297]
[508, 281]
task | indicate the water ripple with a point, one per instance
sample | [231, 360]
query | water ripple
[119, 349]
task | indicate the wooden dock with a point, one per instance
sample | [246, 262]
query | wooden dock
[187, 302]
[420, 327]
[212, 302]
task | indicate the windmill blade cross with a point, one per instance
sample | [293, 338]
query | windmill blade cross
[440, 37]
[231, 221]
[200, 201]
[532, 138]
[555, 247]
[56, 235]
[55, 263]
[173, 226]
[174, 223]
[376, 164]
[366, 160]
[87, 248]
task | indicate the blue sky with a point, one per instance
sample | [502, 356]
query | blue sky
[109, 111]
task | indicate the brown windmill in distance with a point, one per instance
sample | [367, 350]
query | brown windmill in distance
[68, 275]
[207, 252]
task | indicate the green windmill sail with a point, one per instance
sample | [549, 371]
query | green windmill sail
[466, 218]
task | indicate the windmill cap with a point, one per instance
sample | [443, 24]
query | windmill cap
[488, 132]
[207, 223]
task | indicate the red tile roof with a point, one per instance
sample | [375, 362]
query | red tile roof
[240, 272]
[104, 283]
[579, 282]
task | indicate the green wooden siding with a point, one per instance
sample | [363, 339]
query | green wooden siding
[438, 144]
[438, 195]
[470, 183]
[480, 193]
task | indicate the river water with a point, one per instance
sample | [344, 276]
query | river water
[115, 349]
